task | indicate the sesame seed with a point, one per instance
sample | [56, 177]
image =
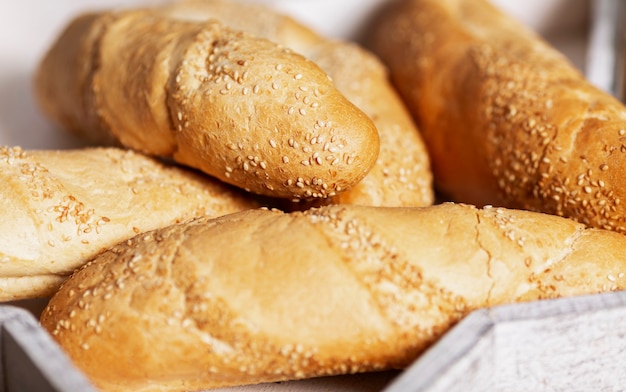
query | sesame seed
[285, 159]
[298, 76]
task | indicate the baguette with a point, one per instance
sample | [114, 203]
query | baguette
[240, 108]
[332, 290]
[506, 118]
[401, 175]
[61, 208]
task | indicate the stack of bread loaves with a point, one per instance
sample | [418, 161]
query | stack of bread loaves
[220, 287]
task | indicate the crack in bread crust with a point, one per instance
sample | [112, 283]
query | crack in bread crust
[401, 290]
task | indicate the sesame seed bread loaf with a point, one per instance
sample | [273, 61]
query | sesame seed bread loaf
[401, 175]
[507, 119]
[61, 208]
[332, 290]
[240, 108]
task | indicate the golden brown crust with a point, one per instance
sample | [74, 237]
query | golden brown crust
[237, 107]
[333, 290]
[507, 120]
[67, 97]
[401, 175]
[61, 208]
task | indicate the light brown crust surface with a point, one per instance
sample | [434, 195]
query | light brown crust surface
[333, 290]
[61, 208]
[238, 107]
[401, 175]
[506, 118]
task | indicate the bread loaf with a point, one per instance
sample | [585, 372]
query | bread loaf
[507, 119]
[240, 108]
[263, 295]
[401, 175]
[61, 208]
